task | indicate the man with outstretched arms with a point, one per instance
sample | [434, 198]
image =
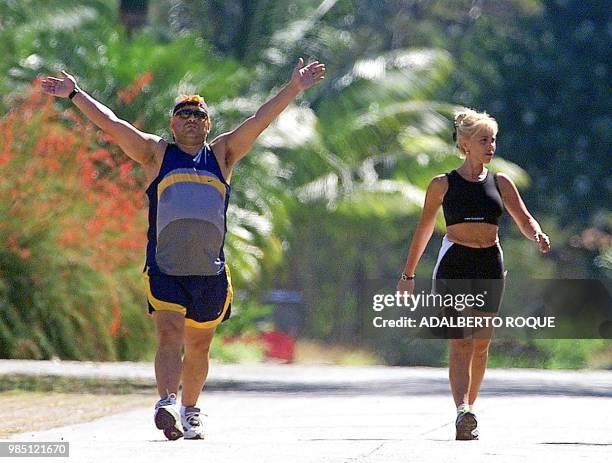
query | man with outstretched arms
[188, 284]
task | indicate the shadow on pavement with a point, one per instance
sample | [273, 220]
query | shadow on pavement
[574, 443]
[401, 388]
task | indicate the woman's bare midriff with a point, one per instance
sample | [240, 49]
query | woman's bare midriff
[473, 235]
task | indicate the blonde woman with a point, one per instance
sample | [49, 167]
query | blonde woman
[472, 199]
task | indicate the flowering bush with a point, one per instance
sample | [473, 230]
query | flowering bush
[71, 230]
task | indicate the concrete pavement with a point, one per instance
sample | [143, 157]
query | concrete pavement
[274, 413]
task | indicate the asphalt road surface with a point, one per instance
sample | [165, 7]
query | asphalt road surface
[299, 414]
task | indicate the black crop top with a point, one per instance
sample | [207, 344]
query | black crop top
[477, 202]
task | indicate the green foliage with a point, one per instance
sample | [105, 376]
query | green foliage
[58, 297]
[546, 353]
[407, 351]
[329, 196]
[246, 315]
[19, 384]
[545, 76]
[228, 351]
[237, 340]
[381, 140]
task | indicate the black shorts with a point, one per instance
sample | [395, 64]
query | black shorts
[474, 278]
[205, 301]
[478, 272]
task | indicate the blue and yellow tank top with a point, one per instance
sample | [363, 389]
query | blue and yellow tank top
[187, 215]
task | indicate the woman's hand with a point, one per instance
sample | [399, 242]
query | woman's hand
[405, 286]
[543, 241]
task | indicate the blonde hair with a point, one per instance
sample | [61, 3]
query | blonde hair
[468, 123]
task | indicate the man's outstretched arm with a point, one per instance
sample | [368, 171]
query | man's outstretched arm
[237, 143]
[140, 146]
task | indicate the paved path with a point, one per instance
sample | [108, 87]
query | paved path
[295, 414]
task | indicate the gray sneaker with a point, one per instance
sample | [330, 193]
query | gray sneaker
[167, 417]
[466, 426]
[192, 423]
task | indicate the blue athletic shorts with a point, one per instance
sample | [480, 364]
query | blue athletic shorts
[205, 301]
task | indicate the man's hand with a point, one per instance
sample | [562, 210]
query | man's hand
[234, 145]
[304, 77]
[144, 148]
[59, 87]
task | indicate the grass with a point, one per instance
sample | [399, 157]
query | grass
[570, 354]
[35, 403]
[31, 383]
[314, 352]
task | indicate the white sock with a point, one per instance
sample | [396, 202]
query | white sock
[183, 409]
[462, 408]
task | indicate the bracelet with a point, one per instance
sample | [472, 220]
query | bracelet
[406, 277]
[73, 93]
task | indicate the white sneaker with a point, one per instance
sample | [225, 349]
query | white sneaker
[167, 417]
[192, 423]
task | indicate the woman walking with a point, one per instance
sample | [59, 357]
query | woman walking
[472, 199]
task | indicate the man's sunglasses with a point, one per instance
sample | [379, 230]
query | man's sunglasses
[187, 113]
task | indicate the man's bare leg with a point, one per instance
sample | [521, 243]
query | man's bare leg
[170, 327]
[195, 371]
[195, 363]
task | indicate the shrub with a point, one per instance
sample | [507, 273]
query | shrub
[71, 230]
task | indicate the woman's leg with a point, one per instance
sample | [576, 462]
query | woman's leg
[459, 369]
[460, 375]
[479, 357]
[494, 290]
